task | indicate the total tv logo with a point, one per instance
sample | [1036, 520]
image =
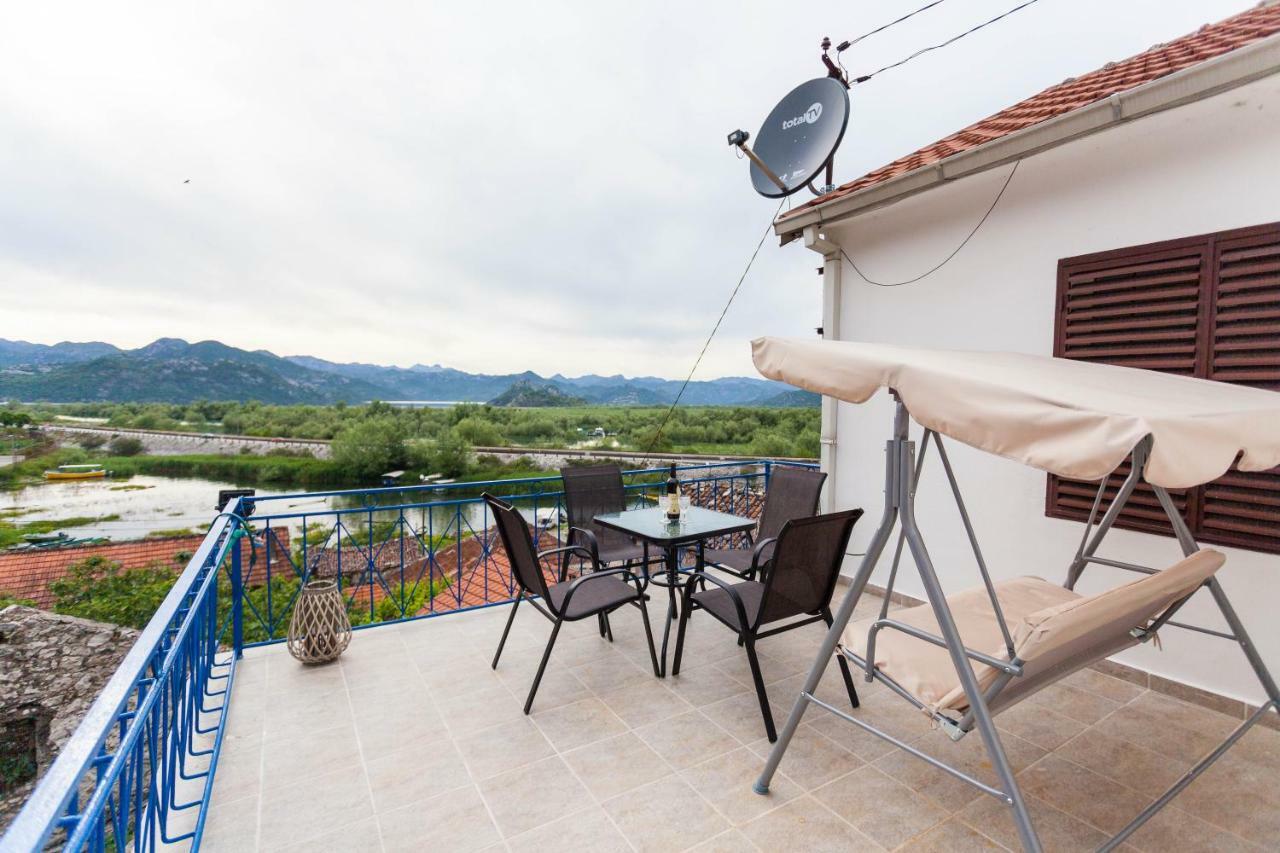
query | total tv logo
[810, 116]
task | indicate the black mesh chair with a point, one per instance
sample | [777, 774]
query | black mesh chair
[799, 582]
[590, 490]
[793, 493]
[597, 593]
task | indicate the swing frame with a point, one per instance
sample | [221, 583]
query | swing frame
[903, 467]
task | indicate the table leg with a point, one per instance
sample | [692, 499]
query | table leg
[673, 578]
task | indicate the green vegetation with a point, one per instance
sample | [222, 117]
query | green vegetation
[740, 430]
[104, 591]
[11, 534]
[7, 598]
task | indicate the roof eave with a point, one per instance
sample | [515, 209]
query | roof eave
[1208, 78]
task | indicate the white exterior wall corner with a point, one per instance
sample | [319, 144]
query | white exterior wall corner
[1201, 167]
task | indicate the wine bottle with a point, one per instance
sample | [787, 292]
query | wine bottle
[673, 495]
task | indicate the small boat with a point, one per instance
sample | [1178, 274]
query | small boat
[75, 472]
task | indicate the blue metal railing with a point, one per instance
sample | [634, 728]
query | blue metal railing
[138, 771]
[406, 552]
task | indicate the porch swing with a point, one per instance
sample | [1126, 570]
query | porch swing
[962, 658]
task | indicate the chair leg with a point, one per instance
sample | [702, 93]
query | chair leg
[760, 691]
[546, 655]
[648, 635]
[608, 629]
[844, 665]
[505, 631]
[684, 620]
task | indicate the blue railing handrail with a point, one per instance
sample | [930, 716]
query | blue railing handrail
[522, 496]
[44, 809]
[474, 484]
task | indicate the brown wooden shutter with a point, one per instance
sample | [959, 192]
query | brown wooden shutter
[1244, 508]
[1205, 306]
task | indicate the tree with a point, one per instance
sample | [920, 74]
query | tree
[124, 445]
[449, 455]
[478, 432]
[370, 447]
[98, 589]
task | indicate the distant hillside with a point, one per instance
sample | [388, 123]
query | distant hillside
[793, 399]
[175, 371]
[531, 394]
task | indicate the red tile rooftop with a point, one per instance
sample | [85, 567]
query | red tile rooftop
[1209, 41]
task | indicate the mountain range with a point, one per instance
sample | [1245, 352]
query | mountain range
[171, 370]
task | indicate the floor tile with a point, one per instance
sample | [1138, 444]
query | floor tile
[590, 829]
[730, 841]
[1106, 686]
[457, 822]
[579, 723]
[489, 752]
[951, 837]
[1172, 830]
[879, 807]
[704, 684]
[616, 765]
[1057, 830]
[1238, 796]
[327, 802]
[805, 826]
[1080, 705]
[287, 759]
[644, 702]
[1039, 724]
[1123, 761]
[418, 770]
[1081, 793]
[530, 796]
[812, 758]
[740, 716]
[665, 815]
[726, 782]
[359, 837]
[969, 755]
[687, 739]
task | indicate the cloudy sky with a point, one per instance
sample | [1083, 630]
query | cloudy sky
[491, 186]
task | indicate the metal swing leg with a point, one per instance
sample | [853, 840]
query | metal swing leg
[847, 605]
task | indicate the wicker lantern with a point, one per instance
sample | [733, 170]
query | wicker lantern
[320, 629]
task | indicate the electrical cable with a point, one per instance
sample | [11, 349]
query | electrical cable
[845, 45]
[865, 77]
[657, 435]
[945, 260]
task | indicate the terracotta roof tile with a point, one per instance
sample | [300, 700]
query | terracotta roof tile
[1205, 43]
[27, 574]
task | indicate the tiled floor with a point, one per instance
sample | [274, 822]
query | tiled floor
[412, 742]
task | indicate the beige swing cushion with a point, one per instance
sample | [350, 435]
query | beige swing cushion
[1055, 631]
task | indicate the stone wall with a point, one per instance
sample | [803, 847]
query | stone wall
[52, 667]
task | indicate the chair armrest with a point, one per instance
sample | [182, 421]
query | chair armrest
[757, 553]
[727, 587]
[570, 549]
[585, 538]
[630, 577]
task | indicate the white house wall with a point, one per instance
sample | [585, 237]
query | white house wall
[1200, 168]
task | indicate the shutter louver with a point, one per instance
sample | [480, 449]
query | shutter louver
[1205, 306]
[1138, 314]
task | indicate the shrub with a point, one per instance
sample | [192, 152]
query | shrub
[368, 448]
[92, 440]
[478, 432]
[124, 445]
[99, 589]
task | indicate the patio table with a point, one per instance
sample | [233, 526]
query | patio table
[650, 526]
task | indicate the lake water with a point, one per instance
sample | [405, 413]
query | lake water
[146, 504]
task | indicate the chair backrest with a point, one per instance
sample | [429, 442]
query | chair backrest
[521, 552]
[793, 493]
[806, 564]
[1055, 641]
[590, 490]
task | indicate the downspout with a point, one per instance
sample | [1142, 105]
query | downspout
[831, 268]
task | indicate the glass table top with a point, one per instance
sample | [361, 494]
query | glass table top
[695, 523]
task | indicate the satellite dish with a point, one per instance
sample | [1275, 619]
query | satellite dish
[798, 138]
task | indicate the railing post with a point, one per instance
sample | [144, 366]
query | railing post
[237, 592]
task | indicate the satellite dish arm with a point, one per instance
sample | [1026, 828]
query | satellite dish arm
[739, 138]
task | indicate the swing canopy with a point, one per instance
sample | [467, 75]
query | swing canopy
[1072, 418]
